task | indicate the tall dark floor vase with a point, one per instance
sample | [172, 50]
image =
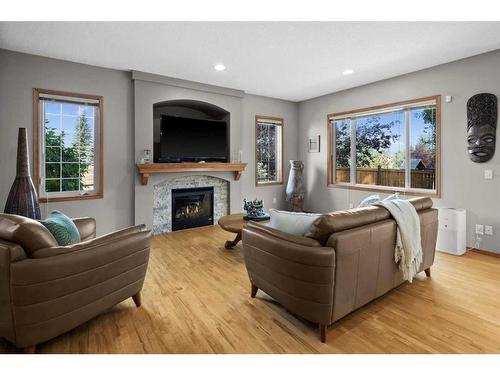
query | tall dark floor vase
[22, 198]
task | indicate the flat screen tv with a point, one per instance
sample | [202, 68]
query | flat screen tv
[187, 139]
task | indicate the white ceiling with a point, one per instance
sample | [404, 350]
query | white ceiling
[288, 60]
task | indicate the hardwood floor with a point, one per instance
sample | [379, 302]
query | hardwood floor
[196, 299]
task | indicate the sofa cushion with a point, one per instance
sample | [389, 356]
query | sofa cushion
[62, 228]
[26, 232]
[296, 223]
[338, 221]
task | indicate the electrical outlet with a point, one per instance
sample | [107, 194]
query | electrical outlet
[488, 229]
[488, 174]
[480, 229]
[275, 200]
[351, 205]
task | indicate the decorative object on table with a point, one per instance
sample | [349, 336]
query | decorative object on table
[481, 127]
[313, 144]
[294, 189]
[22, 199]
[255, 210]
[62, 228]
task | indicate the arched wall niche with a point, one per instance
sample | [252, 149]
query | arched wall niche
[187, 108]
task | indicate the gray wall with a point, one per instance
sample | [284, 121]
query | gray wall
[19, 74]
[463, 184]
[462, 181]
[258, 105]
[150, 89]
[146, 94]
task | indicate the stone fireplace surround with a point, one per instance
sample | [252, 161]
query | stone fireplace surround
[162, 198]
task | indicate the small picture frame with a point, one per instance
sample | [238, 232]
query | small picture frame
[313, 144]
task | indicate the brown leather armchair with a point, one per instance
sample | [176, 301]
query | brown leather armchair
[346, 262]
[47, 290]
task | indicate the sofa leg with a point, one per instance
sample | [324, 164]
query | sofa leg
[428, 272]
[322, 332]
[254, 290]
[29, 349]
[137, 299]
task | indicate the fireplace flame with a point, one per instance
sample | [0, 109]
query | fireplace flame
[189, 211]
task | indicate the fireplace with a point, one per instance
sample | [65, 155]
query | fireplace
[193, 207]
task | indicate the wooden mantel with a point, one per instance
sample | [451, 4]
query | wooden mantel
[146, 169]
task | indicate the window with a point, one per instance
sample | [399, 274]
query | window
[68, 145]
[269, 150]
[389, 148]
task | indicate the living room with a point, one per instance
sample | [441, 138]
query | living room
[217, 192]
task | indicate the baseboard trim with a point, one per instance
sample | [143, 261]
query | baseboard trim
[484, 252]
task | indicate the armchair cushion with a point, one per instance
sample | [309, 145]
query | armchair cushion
[62, 228]
[86, 226]
[28, 233]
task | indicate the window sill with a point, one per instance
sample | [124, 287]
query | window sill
[65, 198]
[261, 184]
[386, 189]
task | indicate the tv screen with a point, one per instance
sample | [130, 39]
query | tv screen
[188, 139]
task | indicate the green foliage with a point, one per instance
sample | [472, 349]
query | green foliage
[343, 143]
[266, 152]
[71, 162]
[426, 146]
[386, 160]
[373, 137]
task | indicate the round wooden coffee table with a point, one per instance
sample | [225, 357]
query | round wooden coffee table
[233, 223]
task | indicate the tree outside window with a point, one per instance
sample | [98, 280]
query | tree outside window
[69, 129]
[385, 140]
[268, 150]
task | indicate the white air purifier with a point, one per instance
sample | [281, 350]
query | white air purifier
[452, 237]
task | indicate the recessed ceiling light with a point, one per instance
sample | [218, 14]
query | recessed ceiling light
[219, 67]
[347, 72]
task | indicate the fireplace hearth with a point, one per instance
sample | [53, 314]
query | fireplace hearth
[192, 207]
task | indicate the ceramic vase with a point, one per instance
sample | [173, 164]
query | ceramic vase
[22, 199]
[294, 188]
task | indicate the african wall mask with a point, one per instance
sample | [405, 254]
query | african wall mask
[481, 127]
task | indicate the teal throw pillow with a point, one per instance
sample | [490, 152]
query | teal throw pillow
[62, 228]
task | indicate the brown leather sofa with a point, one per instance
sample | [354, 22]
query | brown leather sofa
[47, 290]
[346, 261]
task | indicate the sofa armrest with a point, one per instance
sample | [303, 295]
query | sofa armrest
[92, 243]
[86, 227]
[78, 258]
[298, 276]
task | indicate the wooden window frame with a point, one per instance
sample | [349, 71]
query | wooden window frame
[98, 193]
[281, 162]
[385, 189]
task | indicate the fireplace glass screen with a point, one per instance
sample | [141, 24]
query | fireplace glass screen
[193, 207]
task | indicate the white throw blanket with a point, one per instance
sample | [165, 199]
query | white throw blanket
[408, 250]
